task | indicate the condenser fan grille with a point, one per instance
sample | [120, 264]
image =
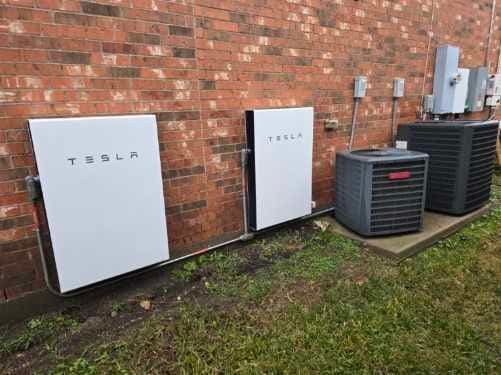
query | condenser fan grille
[397, 203]
[483, 149]
[444, 148]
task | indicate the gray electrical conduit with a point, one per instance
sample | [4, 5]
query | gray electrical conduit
[394, 110]
[247, 235]
[353, 123]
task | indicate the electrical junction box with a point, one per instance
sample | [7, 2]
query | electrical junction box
[445, 79]
[493, 101]
[477, 86]
[360, 87]
[461, 91]
[280, 165]
[494, 85]
[103, 195]
[398, 87]
[428, 103]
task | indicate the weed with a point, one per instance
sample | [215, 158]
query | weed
[36, 331]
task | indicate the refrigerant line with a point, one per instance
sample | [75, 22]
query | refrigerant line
[430, 37]
[489, 36]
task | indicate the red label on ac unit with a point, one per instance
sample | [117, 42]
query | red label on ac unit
[399, 175]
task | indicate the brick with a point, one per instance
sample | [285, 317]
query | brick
[207, 85]
[186, 53]
[16, 222]
[124, 72]
[178, 116]
[194, 205]
[5, 163]
[18, 245]
[74, 19]
[270, 50]
[144, 38]
[100, 9]
[180, 30]
[69, 57]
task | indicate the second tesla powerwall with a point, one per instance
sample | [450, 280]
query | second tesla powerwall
[102, 189]
[280, 165]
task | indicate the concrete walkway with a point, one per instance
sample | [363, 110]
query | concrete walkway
[436, 227]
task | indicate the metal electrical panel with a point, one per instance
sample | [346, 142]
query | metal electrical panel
[280, 165]
[461, 91]
[477, 86]
[445, 79]
[102, 189]
[398, 87]
[360, 87]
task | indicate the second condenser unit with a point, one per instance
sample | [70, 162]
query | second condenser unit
[461, 161]
[381, 192]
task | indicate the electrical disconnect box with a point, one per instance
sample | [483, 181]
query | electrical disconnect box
[428, 103]
[360, 87]
[461, 91]
[493, 90]
[445, 79]
[477, 86]
[398, 87]
[493, 101]
[494, 85]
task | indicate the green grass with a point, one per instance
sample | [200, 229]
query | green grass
[314, 302]
[36, 331]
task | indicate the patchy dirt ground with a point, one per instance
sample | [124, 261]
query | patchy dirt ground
[299, 300]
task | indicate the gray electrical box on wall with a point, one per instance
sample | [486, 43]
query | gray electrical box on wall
[398, 87]
[445, 79]
[360, 87]
[477, 86]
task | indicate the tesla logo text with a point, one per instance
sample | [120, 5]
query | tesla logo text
[102, 158]
[285, 137]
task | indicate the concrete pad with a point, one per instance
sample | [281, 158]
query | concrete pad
[398, 247]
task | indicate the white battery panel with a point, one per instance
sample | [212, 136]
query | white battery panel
[280, 176]
[103, 194]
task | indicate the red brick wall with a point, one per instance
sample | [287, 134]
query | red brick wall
[198, 64]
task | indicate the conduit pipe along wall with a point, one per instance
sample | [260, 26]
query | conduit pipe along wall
[489, 36]
[398, 92]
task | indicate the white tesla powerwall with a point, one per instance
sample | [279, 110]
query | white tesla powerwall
[280, 165]
[102, 189]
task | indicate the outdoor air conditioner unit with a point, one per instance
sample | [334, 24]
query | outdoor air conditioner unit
[381, 192]
[461, 161]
